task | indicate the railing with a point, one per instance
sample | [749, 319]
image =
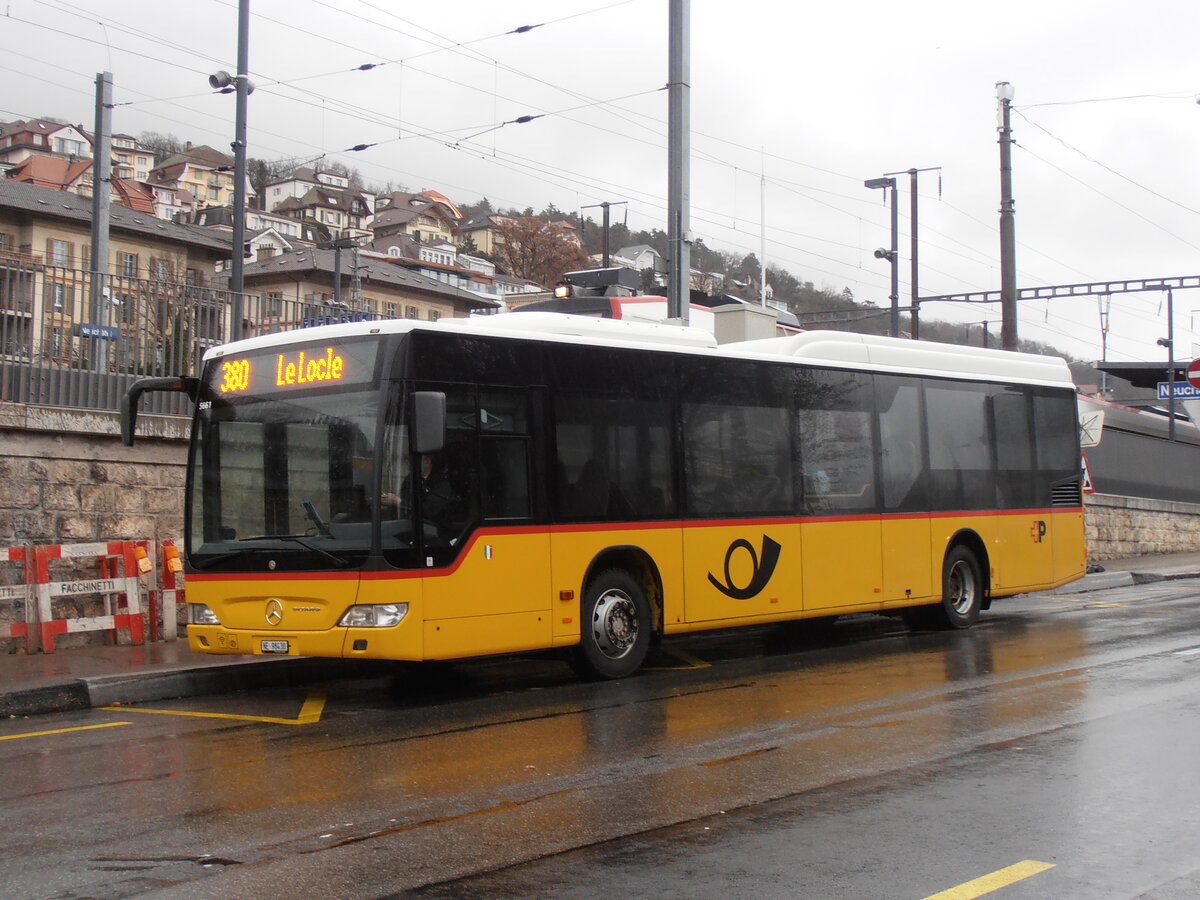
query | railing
[62, 346]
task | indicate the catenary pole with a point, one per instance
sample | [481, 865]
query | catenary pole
[236, 276]
[1008, 239]
[101, 210]
[678, 153]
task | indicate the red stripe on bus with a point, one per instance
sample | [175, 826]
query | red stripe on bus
[484, 534]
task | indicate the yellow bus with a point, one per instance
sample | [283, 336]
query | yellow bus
[430, 491]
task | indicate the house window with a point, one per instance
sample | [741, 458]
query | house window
[390, 310]
[58, 296]
[126, 309]
[160, 269]
[274, 303]
[412, 312]
[434, 315]
[127, 265]
[62, 145]
[3, 241]
[59, 252]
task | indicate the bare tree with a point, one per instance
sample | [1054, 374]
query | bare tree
[536, 250]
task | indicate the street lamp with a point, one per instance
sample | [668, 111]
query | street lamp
[891, 255]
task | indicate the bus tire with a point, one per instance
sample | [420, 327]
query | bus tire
[962, 589]
[615, 627]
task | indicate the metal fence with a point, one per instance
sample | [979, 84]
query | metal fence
[61, 344]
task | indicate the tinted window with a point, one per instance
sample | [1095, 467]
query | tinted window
[504, 450]
[1056, 431]
[834, 417]
[613, 427]
[1011, 417]
[960, 458]
[737, 438]
[903, 464]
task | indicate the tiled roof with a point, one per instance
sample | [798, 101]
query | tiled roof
[370, 270]
[15, 195]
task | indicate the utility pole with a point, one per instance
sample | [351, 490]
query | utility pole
[1169, 343]
[605, 206]
[101, 210]
[678, 158]
[762, 229]
[236, 278]
[1008, 238]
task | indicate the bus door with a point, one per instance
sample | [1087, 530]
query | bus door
[742, 544]
[841, 531]
[908, 563]
[488, 587]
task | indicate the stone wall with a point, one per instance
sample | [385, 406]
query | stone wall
[1119, 527]
[66, 477]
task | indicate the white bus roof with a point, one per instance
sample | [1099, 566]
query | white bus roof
[826, 348]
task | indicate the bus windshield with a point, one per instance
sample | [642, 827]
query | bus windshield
[281, 478]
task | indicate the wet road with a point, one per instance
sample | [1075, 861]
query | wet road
[1058, 737]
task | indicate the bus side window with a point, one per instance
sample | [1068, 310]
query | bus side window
[837, 447]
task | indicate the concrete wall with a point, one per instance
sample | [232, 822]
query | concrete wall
[1119, 527]
[66, 478]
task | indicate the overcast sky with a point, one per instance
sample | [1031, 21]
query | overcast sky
[819, 96]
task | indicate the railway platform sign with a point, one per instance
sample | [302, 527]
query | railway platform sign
[1184, 390]
[1193, 373]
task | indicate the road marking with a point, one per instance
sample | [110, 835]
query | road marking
[693, 662]
[310, 712]
[33, 734]
[993, 882]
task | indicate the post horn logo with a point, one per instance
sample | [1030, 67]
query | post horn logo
[274, 611]
[763, 568]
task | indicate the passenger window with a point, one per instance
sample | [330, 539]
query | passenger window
[837, 448]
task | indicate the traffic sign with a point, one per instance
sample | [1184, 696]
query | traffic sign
[1193, 373]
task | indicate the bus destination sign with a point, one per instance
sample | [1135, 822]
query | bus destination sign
[309, 366]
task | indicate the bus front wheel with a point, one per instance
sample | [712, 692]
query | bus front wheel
[615, 627]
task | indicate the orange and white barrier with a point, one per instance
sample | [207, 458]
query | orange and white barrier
[166, 597]
[17, 596]
[118, 564]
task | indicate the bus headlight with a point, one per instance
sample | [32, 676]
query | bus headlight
[381, 615]
[200, 614]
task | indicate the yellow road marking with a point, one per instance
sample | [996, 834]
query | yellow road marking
[310, 712]
[32, 734]
[693, 662]
[993, 882]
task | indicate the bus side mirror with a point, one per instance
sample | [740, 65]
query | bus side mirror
[428, 421]
[129, 402]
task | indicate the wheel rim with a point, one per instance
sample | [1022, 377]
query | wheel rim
[961, 587]
[615, 624]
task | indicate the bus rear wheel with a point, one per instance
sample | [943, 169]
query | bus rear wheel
[615, 627]
[962, 589]
[962, 594]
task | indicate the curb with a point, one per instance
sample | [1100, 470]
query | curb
[64, 697]
[170, 684]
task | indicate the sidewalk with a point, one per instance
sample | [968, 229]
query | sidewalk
[99, 676]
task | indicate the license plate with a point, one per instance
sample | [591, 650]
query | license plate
[274, 646]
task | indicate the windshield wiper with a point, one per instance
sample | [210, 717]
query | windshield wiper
[303, 542]
[206, 562]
